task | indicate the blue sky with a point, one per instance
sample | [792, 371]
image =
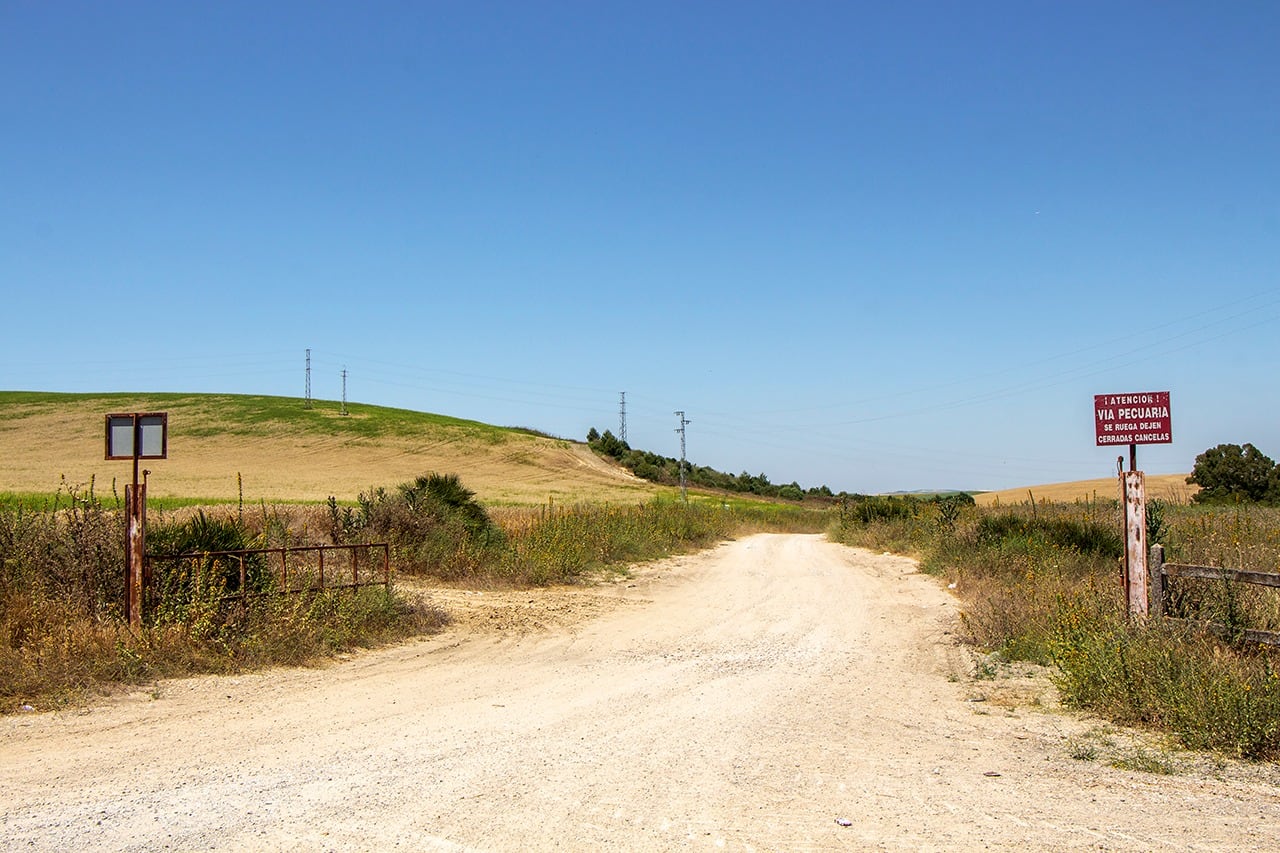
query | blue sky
[877, 246]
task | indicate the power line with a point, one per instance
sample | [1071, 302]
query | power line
[344, 390]
[307, 405]
[622, 418]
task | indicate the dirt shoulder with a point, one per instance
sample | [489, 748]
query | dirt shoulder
[778, 693]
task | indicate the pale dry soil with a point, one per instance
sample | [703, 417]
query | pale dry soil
[753, 697]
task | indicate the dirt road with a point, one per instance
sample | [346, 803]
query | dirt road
[750, 698]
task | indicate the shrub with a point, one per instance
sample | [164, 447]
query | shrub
[791, 492]
[433, 524]
[443, 497]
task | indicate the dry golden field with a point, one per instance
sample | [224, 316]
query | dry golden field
[281, 451]
[1170, 487]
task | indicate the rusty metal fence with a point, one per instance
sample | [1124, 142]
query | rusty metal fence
[254, 572]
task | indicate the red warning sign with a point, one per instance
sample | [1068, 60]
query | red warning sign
[1132, 418]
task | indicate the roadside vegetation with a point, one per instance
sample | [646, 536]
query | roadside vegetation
[436, 528]
[62, 636]
[1041, 583]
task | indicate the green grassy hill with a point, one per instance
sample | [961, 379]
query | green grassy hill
[275, 449]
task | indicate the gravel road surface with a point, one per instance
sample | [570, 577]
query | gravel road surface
[776, 693]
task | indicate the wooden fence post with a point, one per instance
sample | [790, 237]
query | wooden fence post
[1135, 542]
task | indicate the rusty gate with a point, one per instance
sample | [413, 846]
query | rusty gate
[251, 572]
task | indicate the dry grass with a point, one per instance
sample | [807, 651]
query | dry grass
[1169, 487]
[212, 442]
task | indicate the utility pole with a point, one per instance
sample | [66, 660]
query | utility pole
[344, 390]
[684, 490]
[622, 418]
[307, 404]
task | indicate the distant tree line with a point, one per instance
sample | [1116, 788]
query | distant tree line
[666, 470]
[1231, 473]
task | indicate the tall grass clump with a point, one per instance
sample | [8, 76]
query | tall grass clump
[1042, 582]
[67, 551]
[561, 544]
[61, 587]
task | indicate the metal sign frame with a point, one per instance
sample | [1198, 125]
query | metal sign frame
[138, 435]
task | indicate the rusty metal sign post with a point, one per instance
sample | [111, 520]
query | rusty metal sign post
[1133, 419]
[136, 436]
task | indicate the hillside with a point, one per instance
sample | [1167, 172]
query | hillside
[283, 451]
[1170, 487]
